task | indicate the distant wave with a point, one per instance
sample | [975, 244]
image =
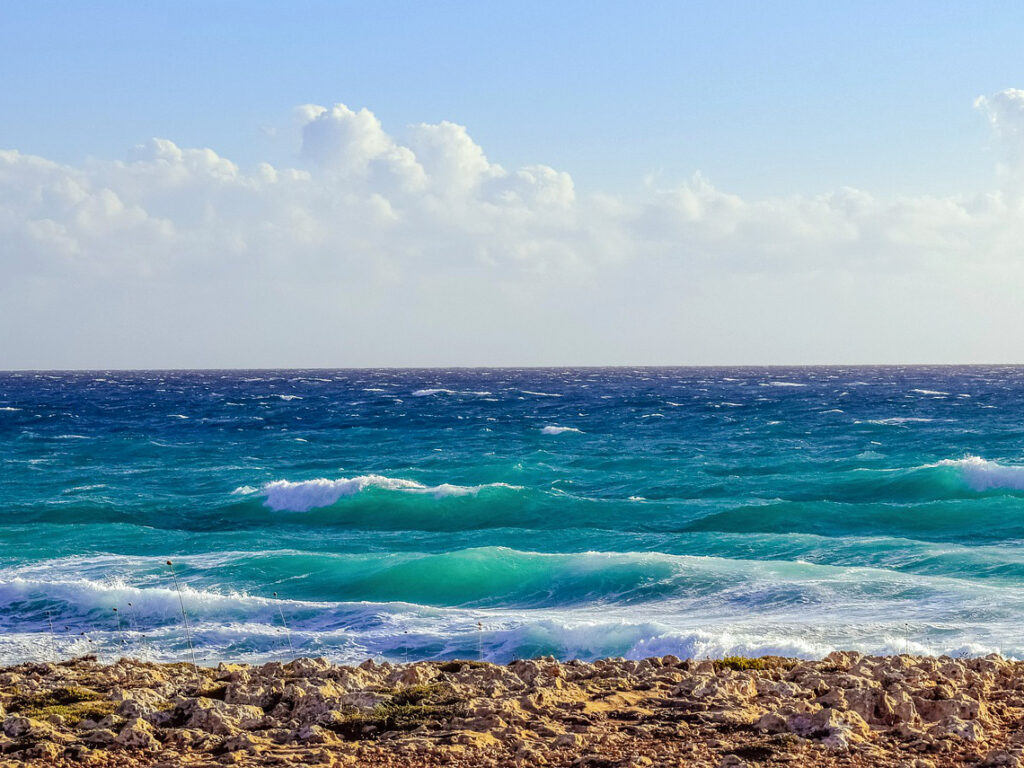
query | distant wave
[928, 392]
[875, 500]
[553, 430]
[9, 408]
[982, 475]
[439, 391]
[540, 394]
[895, 421]
[782, 384]
[305, 495]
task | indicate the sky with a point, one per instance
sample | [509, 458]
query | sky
[343, 184]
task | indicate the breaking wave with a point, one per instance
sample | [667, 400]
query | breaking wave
[982, 475]
[302, 496]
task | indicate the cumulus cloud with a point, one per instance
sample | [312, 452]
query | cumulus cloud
[415, 247]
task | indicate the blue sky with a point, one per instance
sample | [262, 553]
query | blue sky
[762, 97]
[532, 183]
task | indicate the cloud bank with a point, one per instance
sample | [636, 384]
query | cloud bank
[416, 248]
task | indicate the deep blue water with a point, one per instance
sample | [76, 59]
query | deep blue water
[502, 513]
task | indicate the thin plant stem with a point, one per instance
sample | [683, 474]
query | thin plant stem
[288, 632]
[133, 623]
[184, 618]
[53, 638]
[120, 631]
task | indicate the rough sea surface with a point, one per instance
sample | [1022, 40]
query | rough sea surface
[408, 514]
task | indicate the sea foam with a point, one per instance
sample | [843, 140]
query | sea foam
[441, 391]
[982, 475]
[305, 495]
[553, 430]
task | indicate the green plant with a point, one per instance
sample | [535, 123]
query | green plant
[52, 698]
[457, 665]
[740, 663]
[408, 708]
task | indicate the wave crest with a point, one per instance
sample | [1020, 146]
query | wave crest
[302, 496]
[553, 430]
[983, 475]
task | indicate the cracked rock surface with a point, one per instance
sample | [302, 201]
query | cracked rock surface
[844, 710]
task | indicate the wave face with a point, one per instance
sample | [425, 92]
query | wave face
[308, 494]
[504, 513]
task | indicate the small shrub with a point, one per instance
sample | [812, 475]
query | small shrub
[458, 665]
[739, 663]
[53, 698]
[408, 709]
[74, 713]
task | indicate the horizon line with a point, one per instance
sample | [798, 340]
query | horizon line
[690, 366]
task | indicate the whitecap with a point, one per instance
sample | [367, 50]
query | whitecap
[553, 430]
[441, 391]
[895, 421]
[982, 475]
[305, 495]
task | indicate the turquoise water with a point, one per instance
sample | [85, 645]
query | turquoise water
[507, 513]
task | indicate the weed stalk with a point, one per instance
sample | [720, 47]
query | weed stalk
[184, 618]
[288, 632]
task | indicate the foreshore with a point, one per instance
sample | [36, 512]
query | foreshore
[844, 710]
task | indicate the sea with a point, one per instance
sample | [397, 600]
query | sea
[497, 514]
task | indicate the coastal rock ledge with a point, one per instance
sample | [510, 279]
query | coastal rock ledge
[844, 710]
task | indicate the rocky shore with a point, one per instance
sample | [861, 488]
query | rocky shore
[844, 710]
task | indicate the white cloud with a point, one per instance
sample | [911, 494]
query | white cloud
[1005, 112]
[387, 249]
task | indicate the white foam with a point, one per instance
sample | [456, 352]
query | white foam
[895, 421]
[983, 475]
[928, 392]
[9, 408]
[870, 455]
[553, 430]
[540, 394]
[288, 397]
[782, 384]
[310, 494]
[438, 391]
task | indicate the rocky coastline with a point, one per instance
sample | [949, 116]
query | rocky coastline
[844, 710]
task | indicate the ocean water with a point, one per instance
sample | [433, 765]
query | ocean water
[413, 514]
